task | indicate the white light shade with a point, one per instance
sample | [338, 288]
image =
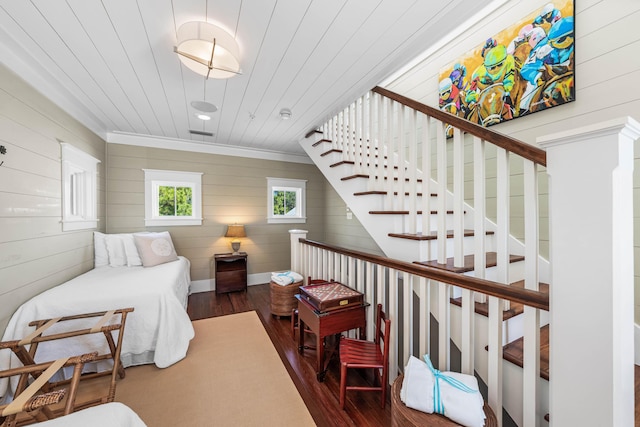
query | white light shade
[195, 46]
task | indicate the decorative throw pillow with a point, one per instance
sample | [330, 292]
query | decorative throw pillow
[101, 256]
[155, 248]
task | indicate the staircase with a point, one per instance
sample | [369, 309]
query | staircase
[405, 182]
[432, 202]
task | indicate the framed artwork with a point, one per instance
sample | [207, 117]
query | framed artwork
[525, 68]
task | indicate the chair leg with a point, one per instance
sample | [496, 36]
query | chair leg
[383, 384]
[294, 322]
[343, 384]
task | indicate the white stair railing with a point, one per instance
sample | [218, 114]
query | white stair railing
[395, 284]
[490, 182]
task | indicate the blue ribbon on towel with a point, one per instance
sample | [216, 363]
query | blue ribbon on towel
[438, 406]
[286, 274]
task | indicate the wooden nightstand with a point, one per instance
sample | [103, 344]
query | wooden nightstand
[230, 272]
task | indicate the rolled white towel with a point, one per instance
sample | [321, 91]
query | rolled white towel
[462, 403]
[284, 278]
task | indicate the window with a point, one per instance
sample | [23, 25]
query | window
[286, 200]
[172, 198]
[79, 189]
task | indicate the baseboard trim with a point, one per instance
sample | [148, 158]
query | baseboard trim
[207, 285]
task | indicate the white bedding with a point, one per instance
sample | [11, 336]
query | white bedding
[112, 414]
[157, 331]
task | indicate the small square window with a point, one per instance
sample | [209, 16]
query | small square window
[172, 198]
[286, 200]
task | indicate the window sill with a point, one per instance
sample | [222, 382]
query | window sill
[284, 220]
[170, 222]
[80, 224]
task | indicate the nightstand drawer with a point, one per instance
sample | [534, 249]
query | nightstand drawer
[230, 272]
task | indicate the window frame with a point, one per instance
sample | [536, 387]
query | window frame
[79, 188]
[297, 185]
[154, 179]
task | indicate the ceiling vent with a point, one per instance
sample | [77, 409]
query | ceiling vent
[199, 132]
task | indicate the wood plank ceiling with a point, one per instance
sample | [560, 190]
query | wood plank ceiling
[111, 65]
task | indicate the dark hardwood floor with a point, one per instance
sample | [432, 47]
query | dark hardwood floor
[321, 398]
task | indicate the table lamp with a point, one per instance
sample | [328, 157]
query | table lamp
[235, 231]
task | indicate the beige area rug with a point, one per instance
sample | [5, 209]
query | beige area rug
[232, 376]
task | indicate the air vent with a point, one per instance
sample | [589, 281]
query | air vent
[199, 132]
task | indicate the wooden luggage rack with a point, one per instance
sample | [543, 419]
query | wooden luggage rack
[27, 357]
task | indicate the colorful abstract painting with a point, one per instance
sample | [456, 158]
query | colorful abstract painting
[525, 68]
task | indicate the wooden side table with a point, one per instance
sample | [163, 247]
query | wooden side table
[325, 324]
[230, 272]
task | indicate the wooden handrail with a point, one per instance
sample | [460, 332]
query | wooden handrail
[513, 145]
[524, 296]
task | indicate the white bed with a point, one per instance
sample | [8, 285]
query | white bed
[112, 414]
[157, 331]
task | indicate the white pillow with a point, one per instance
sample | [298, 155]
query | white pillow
[155, 248]
[130, 250]
[115, 248]
[101, 256]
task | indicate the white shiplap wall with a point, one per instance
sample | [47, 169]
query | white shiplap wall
[35, 254]
[607, 72]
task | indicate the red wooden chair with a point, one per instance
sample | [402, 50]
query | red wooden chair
[362, 354]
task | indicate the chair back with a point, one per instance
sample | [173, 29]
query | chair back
[383, 329]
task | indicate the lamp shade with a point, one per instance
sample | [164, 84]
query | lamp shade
[235, 231]
[208, 50]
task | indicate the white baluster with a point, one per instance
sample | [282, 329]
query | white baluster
[413, 173]
[494, 383]
[479, 201]
[426, 178]
[407, 304]
[458, 198]
[531, 360]
[442, 192]
[444, 327]
[389, 155]
[401, 156]
[393, 314]
[425, 316]
[502, 218]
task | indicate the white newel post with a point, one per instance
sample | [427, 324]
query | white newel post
[591, 291]
[296, 250]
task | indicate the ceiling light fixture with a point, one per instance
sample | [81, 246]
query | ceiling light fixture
[204, 106]
[208, 50]
[203, 117]
[285, 114]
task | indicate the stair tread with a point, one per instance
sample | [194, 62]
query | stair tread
[333, 150]
[401, 212]
[513, 352]
[361, 175]
[433, 235]
[323, 140]
[515, 309]
[384, 193]
[491, 261]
